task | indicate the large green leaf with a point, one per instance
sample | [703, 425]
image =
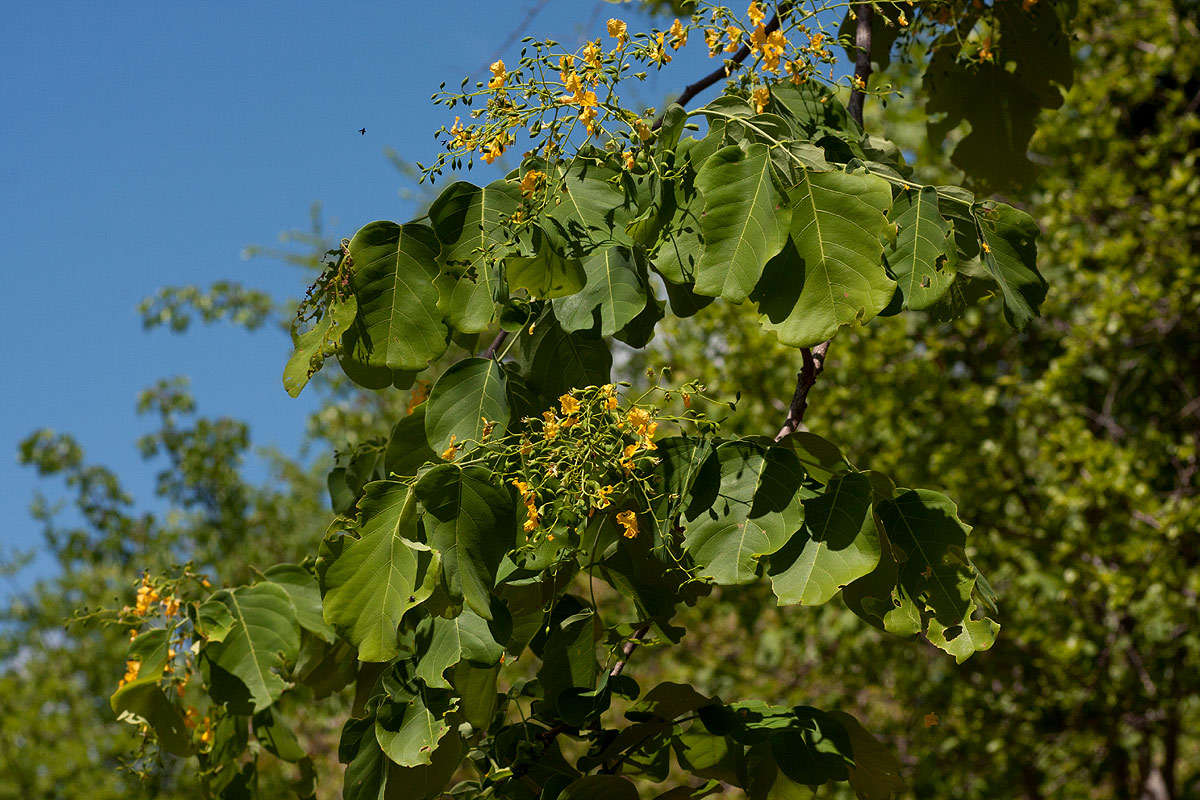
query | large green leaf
[755, 511]
[468, 222]
[311, 348]
[589, 210]
[407, 447]
[612, 286]
[399, 326]
[463, 397]
[923, 255]
[378, 577]
[600, 787]
[548, 269]
[1010, 256]
[743, 224]
[837, 544]
[470, 523]
[929, 540]
[830, 273]
[410, 728]
[251, 632]
[558, 361]
[875, 774]
[305, 594]
[443, 643]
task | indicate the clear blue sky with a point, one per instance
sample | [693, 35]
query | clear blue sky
[146, 144]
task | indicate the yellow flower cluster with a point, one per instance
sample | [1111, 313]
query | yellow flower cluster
[577, 94]
[499, 74]
[761, 97]
[628, 521]
[132, 667]
[529, 498]
[451, 452]
[619, 31]
[531, 181]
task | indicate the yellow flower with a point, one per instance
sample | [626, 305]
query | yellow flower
[618, 30]
[755, 13]
[628, 521]
[531, 181]
[902, 20]
[643, 130]
[521, 485]
[603, 495]
[679, 34]
[488, 427]
[499, 74]
[568, 404]
[206, 731]
[735, 38]
[592, 55]
[629, 450]
[550, 425]
[796, 69]
[132, 667]
[588, 116]
[531, 515]
[687, 400]
[638, 417]
[660, 55]
[460, 137]
[761, 96]
[858, 83]
[494, 150]
[986, 249]
[170, 605]
[629, 160]
[451, 452]
[712, 38]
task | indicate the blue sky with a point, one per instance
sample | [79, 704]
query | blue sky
[147, 144]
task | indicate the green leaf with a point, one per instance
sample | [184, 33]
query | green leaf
[466, 394]
[600, 787]
[378, 577]
[558, 361]
[468, 222]
[830, 273]
[1010, 256]
[928, 540]
[428, 780]
[399, 326]
[743, 225]
[277, 737]
[567, 647]
[613, 287]
[408, 448]
[837, 545]
[551, 271]
[257, 633]
[875, 774]
[923, 255]
[590, 210]
[144, 699]
[409, 728]
[305, 594]
[963, 639]
[311, 348]
[754, 513]
[471, 526]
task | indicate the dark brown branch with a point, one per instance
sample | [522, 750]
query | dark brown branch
[693, 89]
[814, 365]
[628, 649]
[862, 61]
[495, 345]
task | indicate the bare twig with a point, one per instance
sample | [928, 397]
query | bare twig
[862, 61]
[814, 364]
[693, 89]
[495, 345]
[628, 649]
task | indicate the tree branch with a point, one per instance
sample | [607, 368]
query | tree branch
[628, 649]
[814, 365]
[862, 61]
[693, 89]
[495, 345]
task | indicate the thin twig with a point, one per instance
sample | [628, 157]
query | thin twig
[693, 89]
[495, 345]
[814, 365]
[628, 649]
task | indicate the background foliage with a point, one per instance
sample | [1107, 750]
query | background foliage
[1084, 426]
